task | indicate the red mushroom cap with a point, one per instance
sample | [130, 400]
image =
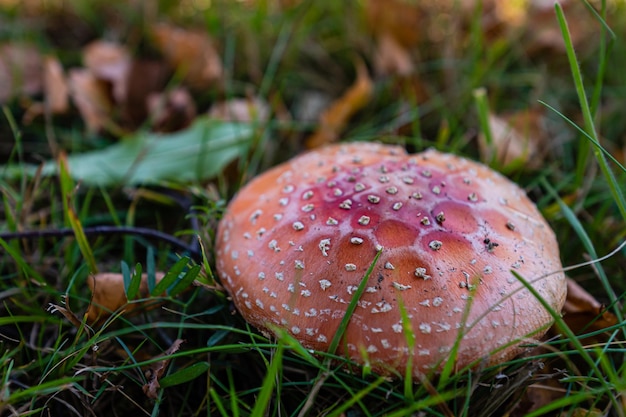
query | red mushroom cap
[296, 242]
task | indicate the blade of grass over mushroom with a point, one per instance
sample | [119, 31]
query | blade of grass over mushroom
[292, 343]
[409, 335]
[450, 364]
[356, 295]
[589, 246]
[575, 341]
[323, 374]
[589, 125]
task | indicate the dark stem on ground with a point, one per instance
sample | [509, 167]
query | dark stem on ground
[192, 248]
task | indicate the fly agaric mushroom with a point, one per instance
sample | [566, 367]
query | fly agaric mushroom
[295, 243]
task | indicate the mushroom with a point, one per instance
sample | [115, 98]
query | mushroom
[296, 242]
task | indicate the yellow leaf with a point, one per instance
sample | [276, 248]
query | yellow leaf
[335, 118]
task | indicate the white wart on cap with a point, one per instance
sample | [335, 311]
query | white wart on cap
[296, 242]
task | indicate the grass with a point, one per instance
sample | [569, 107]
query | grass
[53, 363]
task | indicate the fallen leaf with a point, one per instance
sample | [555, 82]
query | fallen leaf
[335, 118]
[584, 314]
[197, 153]
[146, 77]
[402, 20]
[171, 110]
[192, 53]
[517, 139]
[157, 369]
[56, 91]
[109, 294]
[241, 110]
[91, 97]
[21, 71]
[109, 62]
[546, 391]
[391, 58]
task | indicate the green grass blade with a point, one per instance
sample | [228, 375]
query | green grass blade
[21, 262]
[354, 399]
[482, 108]
[67, 192]
[575, 341]
[589, 125]
[45, 388]
[586, 135]
[589, 247]
[218, 403]
[265, 395]
[352, 306]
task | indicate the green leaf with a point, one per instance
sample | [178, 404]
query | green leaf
[151, 267]
[217, 337]
[185, 281]
[184, 375]
[199, 152]
[171, 276]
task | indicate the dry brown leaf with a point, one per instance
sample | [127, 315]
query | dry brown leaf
[399, 19]
[391, 58]
[67, 313]
[110, 62]
[190, 52]
[21, 71]
[146, 77]
[90, 95]
[583, 313]
[172, 110]
[108, 294]
[335, 118]
[156, 370]
[517, 139]
[241, 110]
[56, 91]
